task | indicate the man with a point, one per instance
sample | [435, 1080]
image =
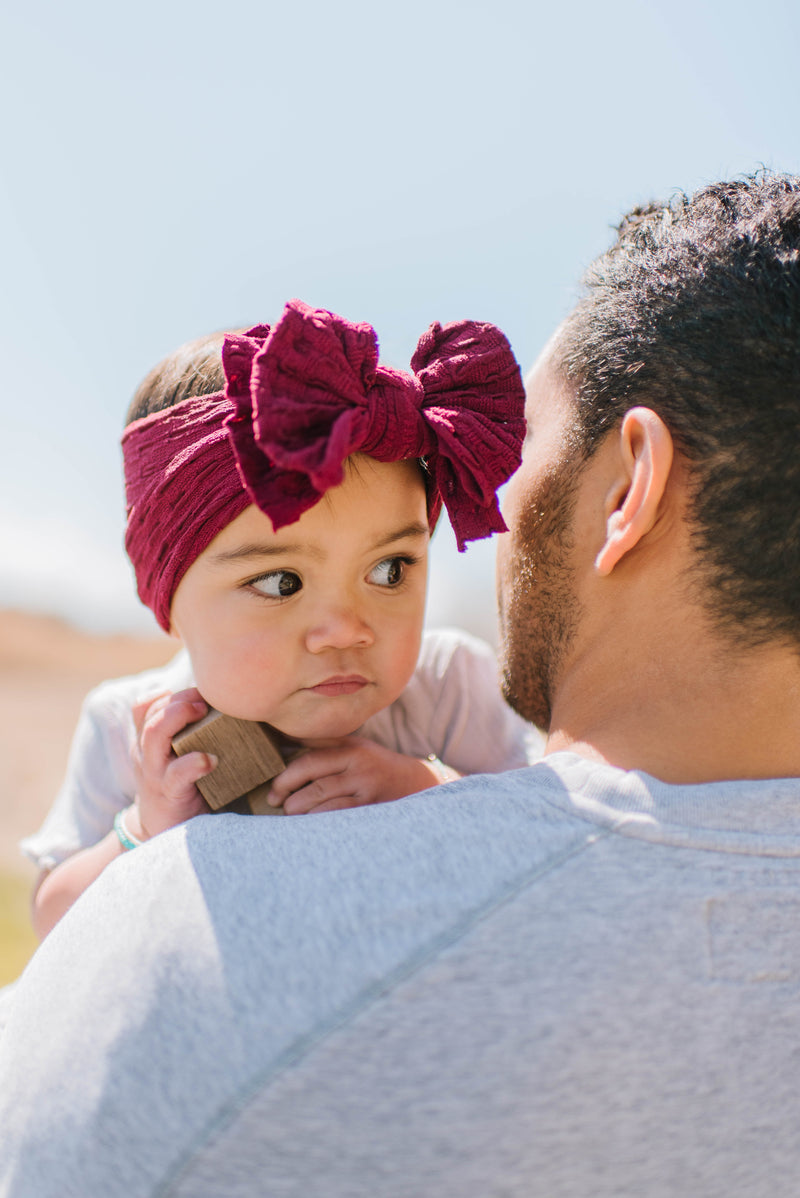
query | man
[579, 978]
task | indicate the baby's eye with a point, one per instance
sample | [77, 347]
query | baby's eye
[278, 584]
[390, 572]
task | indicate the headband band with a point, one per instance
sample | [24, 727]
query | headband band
[300, 399]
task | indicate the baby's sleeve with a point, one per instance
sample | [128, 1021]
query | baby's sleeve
[98, 782]
[456, 693]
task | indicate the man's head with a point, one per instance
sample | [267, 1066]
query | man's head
[694, 315]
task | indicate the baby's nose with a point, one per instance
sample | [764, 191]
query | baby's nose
[339, 626]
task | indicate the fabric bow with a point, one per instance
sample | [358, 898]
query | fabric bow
[309, 392]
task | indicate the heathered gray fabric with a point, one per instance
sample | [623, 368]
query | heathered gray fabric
[564, 981]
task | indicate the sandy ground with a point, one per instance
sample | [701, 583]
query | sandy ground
[46, 668]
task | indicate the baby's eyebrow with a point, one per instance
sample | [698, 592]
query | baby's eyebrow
[252, 549]
[402, 534]
[259, 549]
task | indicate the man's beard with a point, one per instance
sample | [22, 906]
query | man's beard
[539, 610]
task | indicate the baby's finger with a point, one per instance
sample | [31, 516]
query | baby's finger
[319, 793]
[182, 774]
[191, 694]
[305, 768]
[153, 752]
[183, 708]
[165, 720]
[139, 710]
[146, 753]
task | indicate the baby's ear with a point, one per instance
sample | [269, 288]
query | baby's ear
[645, 452]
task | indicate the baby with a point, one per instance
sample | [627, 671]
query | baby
[280, 506]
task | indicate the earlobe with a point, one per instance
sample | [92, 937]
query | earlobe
[645, 457]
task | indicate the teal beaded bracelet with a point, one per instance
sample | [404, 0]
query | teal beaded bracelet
[123, 835]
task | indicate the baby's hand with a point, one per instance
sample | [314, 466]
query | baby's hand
[166, 791]
[350, 773]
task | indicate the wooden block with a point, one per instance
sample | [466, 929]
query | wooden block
[257, 801]
[247, 754]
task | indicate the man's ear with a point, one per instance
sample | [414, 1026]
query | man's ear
[645, 452]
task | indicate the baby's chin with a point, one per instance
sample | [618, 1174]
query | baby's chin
[330, 720]
[321, 731]
[331, 727]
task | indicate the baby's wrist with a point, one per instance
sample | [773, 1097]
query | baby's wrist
[139, 829]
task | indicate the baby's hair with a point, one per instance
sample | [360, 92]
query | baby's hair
[194, 369]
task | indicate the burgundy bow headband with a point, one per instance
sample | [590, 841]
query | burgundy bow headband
[300, 399]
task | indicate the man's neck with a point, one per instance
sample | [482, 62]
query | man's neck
[685, 712]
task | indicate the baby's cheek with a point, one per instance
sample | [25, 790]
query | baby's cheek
[395, 680]
[237, 690]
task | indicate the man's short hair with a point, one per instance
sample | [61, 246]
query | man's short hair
[695, 313]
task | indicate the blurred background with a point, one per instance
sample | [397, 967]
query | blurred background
[172, 168]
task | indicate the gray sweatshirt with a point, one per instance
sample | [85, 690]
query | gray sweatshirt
[565, 980]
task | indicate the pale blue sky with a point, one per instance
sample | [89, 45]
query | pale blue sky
[167, 171]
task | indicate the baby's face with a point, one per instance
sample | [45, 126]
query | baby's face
[316, 627]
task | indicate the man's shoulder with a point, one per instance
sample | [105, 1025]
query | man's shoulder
[489, 920]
